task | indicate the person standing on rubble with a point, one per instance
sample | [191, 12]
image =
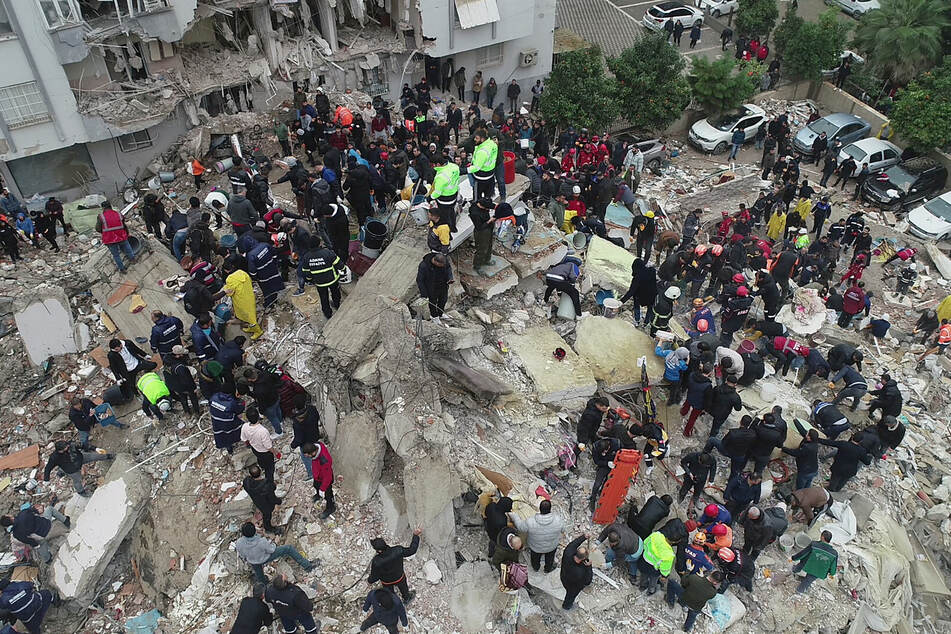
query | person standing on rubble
[261, 490]
[576, 573]
[482, 165]
[166, 333]
[238, 287]
[179, 379]
[387, 564]
[263, 267]
[323, 474]
[388, 611]
[306, 422]
[69, 459]
[433, 277]
[818, 560]
[226, 409]
[115, 235]
[849, 453]
[241, 211]
[259, 439]
[239, 176]
[292, 606]
[321, 267]
[253, 613]
[154, 215]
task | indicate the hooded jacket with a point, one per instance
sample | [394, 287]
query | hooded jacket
[495, 516]
[242, 211]
[387, 617]
[724, 400]
[675, 361]
[643, 522]
[769, 436]
[543, 529]
[699, 391]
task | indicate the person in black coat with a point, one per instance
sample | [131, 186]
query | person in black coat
[603, 452]
[806, 455]
[699, 469]
[496, 519]
[253, 613]
[123, 353]
[388, 611]
[357, 186]
[846, 463]
[654, 510]
[757, 531]
[261, 490]
[724, 401]
[387, 565]
[891, 431]
[590, 421]
[769, 436]
[35, 528]
[292, 605]
[576, 572]
[736, 444]
[179, 380]
[643, 289]
[888, 398]
[306, 423]
[231, 355]
[433, 278]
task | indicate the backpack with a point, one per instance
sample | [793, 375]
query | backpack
[513, 577]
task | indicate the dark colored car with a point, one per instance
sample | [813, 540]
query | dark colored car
[906, 184]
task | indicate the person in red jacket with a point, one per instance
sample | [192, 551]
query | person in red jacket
[854, 274]
[568, 161]
[853, 302]
[322, 468]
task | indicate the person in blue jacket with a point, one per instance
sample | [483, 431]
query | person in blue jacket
[25, 224]
[21, 599]
[675, 363]
[388, 611]
[205, 338]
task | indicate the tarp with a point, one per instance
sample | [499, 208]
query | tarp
[944, 308]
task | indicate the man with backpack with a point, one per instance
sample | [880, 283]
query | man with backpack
[201, 239]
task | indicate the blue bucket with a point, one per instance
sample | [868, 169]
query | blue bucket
[602, 295]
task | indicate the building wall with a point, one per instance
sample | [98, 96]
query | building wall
[518, 20]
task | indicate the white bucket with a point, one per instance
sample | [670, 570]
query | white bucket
[578, 240]
[786, 543]
[566, 309]
[611, 307]
[802, 540]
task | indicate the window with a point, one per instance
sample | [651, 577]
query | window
[5, 27]
[59, 12]
[22, 105]
[490, 55]
[54, 171]
[134, 141]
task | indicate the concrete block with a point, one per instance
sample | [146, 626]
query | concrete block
[47, 328]
[358, 453]
[393, 507]
[481, 385]
[98, 532]
[430, 485]
[464, 228]
[239, 506]
[543, 248]
[611, 348]
[440, 337]
[488, 281]
[554, 380]
[476, 597]
[608, 265]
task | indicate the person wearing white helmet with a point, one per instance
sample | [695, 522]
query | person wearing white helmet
[664, 309]
[906, 279]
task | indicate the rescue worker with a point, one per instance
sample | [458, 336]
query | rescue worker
[292, 606]
[387, 564]
[226, 410]
[482, 166]
[166, 333]
[656, 561]
[179, 379]
[206, 339]
[445, 189]
[321, 267]
[263, 267]
[238, 287]
[155, 395]
[23, 602]
[664, 309]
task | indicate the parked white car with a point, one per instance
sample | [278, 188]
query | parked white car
[715, 135]
[716, 8]
[657, 15]
[855, 8]
[932, 220]
[878, 153]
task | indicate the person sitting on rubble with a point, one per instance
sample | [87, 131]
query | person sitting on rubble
[257, 551]
[34, 527]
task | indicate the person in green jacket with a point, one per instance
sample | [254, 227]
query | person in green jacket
[818, 560]
[280, 130]
[445, 189]
[155, 395]
[656, 560]
[482, 166]
[693, 591]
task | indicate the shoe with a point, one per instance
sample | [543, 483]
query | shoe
[257, 335]
[652, 590]
[275, 434]
[315, 498]
[297, 293]
[327, 514]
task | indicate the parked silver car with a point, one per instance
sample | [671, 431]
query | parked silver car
[878, 153]
[839, 126]
[654, 150]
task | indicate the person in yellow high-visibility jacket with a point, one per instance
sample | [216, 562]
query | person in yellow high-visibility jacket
[657, 560]
[482, 166]
[238, 287]
[445, 190]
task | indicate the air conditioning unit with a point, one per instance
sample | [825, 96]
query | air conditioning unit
[528, 58]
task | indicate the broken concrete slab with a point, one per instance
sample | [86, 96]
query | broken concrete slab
[441, 337]
[611, 347]
[607, 265]
[393, 507]
[543, 248]
[359, 450]
[488, 281]
[482, 386]
[430, 485]
[554, 380]
[47, 327]
[98, 532]
[476, 597]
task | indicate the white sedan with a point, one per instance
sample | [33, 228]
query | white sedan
[716, 135]
[932, 220]
[716, 8]
[657, 15]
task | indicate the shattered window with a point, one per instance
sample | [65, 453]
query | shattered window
[490, 55]
[134, 141]
[54, 171]
[22, 105]
[59, 12]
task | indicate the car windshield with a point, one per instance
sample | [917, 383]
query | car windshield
[855, 152]
[727, 121]
[657, 12]
[899, 178]
[823, 125]
[940, 208]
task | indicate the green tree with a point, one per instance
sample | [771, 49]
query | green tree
[809, 47]
[723, 84]
[902, 39]
[922, 111]
[578, 92]
[651, 89]
[756, 17]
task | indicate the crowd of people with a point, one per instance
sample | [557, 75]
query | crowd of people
[359, 162]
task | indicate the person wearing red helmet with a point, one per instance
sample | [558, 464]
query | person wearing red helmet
[718, 536]
[700, 314]
[714, 514]
[733, 314]
[737, 567]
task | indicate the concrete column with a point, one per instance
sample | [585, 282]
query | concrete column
[261, 18]
[328, 23]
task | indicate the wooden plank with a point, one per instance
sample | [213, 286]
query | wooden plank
[29, 457]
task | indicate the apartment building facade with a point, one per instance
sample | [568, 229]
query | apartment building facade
[94, 90]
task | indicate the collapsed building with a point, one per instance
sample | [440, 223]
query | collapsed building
[93, 90]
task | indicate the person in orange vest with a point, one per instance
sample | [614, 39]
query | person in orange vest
[944, 339]
[196, 169]
[115, 234]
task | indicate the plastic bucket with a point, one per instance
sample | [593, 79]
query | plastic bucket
[611, 307]
[746, 346]
[374, 233]
[578, 240]
[166, 177]
[802, 540]
[224, 166]
[228, 241]
[566, 309]
[786, 543]
[508, 164]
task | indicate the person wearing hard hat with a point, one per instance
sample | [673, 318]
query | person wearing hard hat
[718, 536]
[155, 395]
[664, 309]
[657, 559]
[693, 557]
[737, 567]
[734, 312]
[701, 319]
[642, 229]
[906, 279]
